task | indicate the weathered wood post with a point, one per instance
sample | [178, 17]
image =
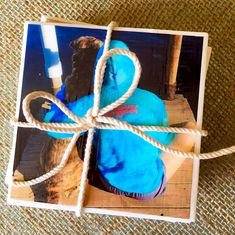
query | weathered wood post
[173, 65]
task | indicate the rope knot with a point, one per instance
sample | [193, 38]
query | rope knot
[91, 120]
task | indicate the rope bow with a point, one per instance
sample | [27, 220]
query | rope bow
[95, 119]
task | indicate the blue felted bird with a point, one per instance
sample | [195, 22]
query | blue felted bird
[124, 160]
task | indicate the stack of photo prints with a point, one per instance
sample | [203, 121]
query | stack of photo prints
[127, 176]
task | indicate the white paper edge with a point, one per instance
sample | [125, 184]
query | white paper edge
[196, 164]
[197, 147]
[8, 177]
[45, 18]
[128, 29]
[41, 205]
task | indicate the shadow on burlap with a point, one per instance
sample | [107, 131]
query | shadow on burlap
[215, 212]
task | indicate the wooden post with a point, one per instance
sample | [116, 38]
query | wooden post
[173, 65]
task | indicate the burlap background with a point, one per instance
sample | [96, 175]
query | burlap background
[215, 213]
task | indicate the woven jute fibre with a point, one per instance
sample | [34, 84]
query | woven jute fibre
[215, 212]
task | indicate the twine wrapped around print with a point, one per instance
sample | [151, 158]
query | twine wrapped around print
[95, 119]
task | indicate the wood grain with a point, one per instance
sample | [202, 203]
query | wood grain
[178, 110]
[176, 196]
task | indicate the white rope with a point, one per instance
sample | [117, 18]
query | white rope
[95, 119]
[74, 127]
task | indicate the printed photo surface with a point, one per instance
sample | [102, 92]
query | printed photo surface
[126, 173]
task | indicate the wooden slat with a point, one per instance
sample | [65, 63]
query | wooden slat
[176, 195]
[178, 110]
[18, 193]
[183, 174]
